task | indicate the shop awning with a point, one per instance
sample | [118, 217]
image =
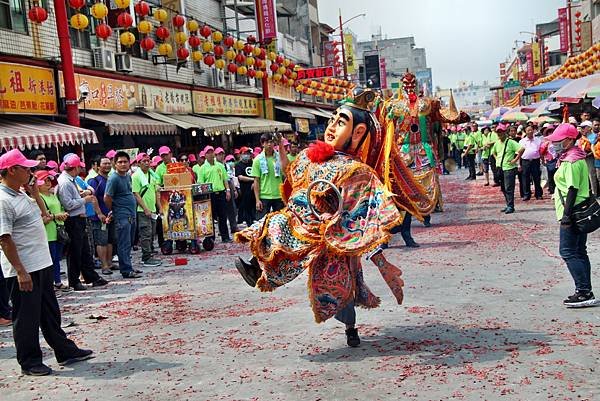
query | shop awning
[249, 125]
[551, 86]
[132, 124]
[209, 125]
[296, 112]
[30, 132]
[324, 113]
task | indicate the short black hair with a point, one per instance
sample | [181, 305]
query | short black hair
[96, 159]
[35, 153]
[3, 172]
[120, 154]
[266, 137]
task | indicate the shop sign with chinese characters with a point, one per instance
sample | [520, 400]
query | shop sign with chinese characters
[27, 90]
[165, 100]
[223, 104]
[105, 94]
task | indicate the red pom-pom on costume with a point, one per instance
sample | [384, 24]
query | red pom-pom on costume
[319, 151]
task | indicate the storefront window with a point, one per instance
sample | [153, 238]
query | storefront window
[13, 15]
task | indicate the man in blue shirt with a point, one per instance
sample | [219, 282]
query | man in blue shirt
[104, 232]
[119, 198]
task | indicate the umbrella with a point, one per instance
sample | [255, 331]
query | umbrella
[545, 108]
[577, 89]
[596, 102]
[531, 107]
[497, 112]
[514, 116]
[543, 120]
[593, 92]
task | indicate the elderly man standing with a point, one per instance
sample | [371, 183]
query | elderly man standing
[530, 164]
[119, 198]
[28, 269]
[80, 261]
[144, 189]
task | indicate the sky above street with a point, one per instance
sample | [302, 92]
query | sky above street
[465, 40]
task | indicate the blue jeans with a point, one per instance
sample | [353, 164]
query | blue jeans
[573, 250]
[56, 250]
[125, 233]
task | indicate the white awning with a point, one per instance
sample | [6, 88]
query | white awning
[132, 124]
[257, 125]
[296, 112]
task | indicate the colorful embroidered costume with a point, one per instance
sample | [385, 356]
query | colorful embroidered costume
[293, 240]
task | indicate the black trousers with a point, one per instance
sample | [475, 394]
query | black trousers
[471, 164]
[218, 202]
[79, 260]
[32, 311]
[5, 310]
[247, 206]
[270, 205]
[495, 170]
[532, 172]
[508, 187]
[551, 167]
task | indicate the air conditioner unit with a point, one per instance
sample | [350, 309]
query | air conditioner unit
[123, 61]
[220, 78]
[104, 58]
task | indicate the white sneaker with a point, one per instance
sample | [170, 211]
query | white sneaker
[115, 259]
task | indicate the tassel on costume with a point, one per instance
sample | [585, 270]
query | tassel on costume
[319, 151]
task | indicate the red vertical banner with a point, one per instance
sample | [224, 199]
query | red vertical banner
[563, 27]
[502, 72]
[266, 17]
[329, 52]
[382, 71]
[530, 73]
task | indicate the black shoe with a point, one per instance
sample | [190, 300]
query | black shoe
[352, 338]
[131, 274]
[41, 370]
[581, 300]
[526, 198]
[427, 223]
[79, 287]
[82, 355]
[509, 210]
[227, 241]
[100, 282]
[412, 244]
[539, 198]
[250, 272]
[479, 174]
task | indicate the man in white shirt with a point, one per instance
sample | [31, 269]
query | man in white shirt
[28, 269]
[530, 164]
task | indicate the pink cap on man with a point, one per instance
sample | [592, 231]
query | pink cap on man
[563, 131]
[41, 176]
[208, 148]
[257, 149]
[164, 150]
[219, 150]
[72, 161]
[140, 156]
[229, 157]
[52, 165]
[202, 154]
[236, 151]
[155, 161]
[14, 158]
[192, 158]
[111, 153]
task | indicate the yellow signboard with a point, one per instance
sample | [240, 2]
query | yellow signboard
[350, 56]
[104, 94]
[165, 100]
[537, 61]
[26, 90]
[282, 92]
[223, 104]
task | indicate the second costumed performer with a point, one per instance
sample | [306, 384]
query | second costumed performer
[336, 210]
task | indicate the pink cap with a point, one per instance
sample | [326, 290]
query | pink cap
[257, 149]
[563, 131]
[163, 150]
[208, 149]
[192, 157]
[155, 161]
[219, 150]
[72, 161]
[52, 164]
[236, 151]
[285, 142]
[229, 157]
[202, 154]
[502, 127]
[140, 156]
[41, 175]
[16, 158]
[111, 153]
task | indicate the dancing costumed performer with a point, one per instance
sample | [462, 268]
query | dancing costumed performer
[336, 210]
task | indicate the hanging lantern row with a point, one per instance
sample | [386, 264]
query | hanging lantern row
[328, 88]
[582, 65]
[78, 20]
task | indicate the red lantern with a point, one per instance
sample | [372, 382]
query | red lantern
[37, 14]
[125, 20]
[248, 48]
[279, 59]
[288, 73]
[194, 41]
[578, 14]
[240, 58]
[162, 33]
[178, 21]
[263, 54]
[292, 66]
[274, 67]
[209, 60]
[76, 4]
[103, 31]
[251, 39]
[232, 68]
[206, 31]
[252, 73]
[147, 43]
[142, 8]
[219, 50]
[182, 53]
[229, 41]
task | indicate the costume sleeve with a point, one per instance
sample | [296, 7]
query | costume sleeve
[368, 213]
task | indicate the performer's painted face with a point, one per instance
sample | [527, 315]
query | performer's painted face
[342, 134]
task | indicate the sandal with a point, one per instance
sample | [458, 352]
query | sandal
[62, 287]
[106, 271]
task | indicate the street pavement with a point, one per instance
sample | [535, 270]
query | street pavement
[482, 319]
